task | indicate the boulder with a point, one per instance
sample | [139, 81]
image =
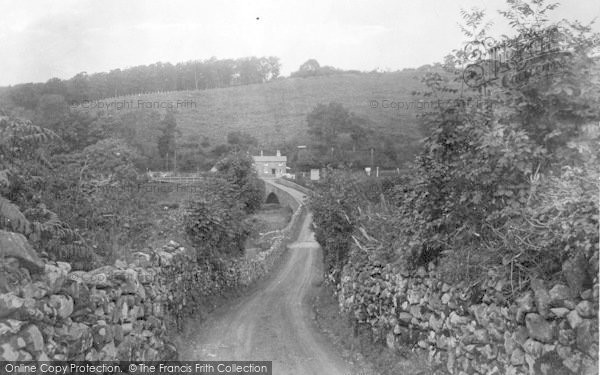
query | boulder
[584, 338]
[63, 305]
[77, 337]
[575, 272]
[8, 352]
[10, 326]
[539, 328]
[517, 357]
[54, 277]
[585, 309]
[559, 312]
[10, 304]
[558, 294]
[574, 319]
[33, 337]
[36, 290]
[542, 297]
[16, 245]
[524, 305]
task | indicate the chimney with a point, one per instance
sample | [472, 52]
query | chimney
[278, 153]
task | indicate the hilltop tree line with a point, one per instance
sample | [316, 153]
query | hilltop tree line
[191, 75]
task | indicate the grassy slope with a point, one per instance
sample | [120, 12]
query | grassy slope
[276, 112]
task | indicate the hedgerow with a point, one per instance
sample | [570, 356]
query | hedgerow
[508, 174]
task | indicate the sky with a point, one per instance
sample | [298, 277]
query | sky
[42, 39]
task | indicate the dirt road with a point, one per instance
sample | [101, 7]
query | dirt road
[274, 323]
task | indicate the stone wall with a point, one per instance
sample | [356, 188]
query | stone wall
[548, 329]
[119, 312]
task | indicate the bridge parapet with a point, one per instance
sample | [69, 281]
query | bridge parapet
[285, 198]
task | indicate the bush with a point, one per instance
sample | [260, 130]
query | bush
[214, 221]
[238, 170]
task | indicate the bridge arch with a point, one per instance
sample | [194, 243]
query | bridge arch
[272, 198]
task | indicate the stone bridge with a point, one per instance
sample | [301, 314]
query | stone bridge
[275, 193]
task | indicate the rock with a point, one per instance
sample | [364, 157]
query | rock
[33, 337]
[587, 294]
[559, 312]
[63, 305]
[36, 290]
[10, 326]
[566, 336]
[558, 294]
[142, 259]
[533, 347]
[550, 364]
[8, 352]
[574, 319]
[16, 245]
[457, 320]
[563, 351]
[413, 297]
[541, 296]
[54, 277]
[10, 304]
[589, 366]
[574, 271]
[436, 323]
[108, 352]
[517, 357]
[481, 336]
[584, 338]
[390, 340]
[585, 309]
[524, 305]
[415, 311]
[539, 328]
[77, 336]
[405, 317]
[573, 363]
[66, 267]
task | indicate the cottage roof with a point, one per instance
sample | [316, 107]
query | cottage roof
[272, 158]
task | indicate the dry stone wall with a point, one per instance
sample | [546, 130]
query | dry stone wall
[548, 329]
[119, 312]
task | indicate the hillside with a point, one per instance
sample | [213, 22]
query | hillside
[275, 112]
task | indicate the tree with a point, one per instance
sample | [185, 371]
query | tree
[241, 141]
[166, 142]
[238, 169]
[326, 123]
[310, 67]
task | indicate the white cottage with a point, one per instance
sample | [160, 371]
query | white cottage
[270, 166]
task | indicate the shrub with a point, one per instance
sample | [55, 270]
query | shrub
[238, 169]
[214, 220]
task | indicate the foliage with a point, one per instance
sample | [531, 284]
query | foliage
[22, 161]
[192, 75]
[312, 68]
[215, 222]
[238, 170]
[336, 207]
[507, 179]
[166, 141]
[241, 141]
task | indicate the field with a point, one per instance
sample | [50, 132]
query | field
[275, 112]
